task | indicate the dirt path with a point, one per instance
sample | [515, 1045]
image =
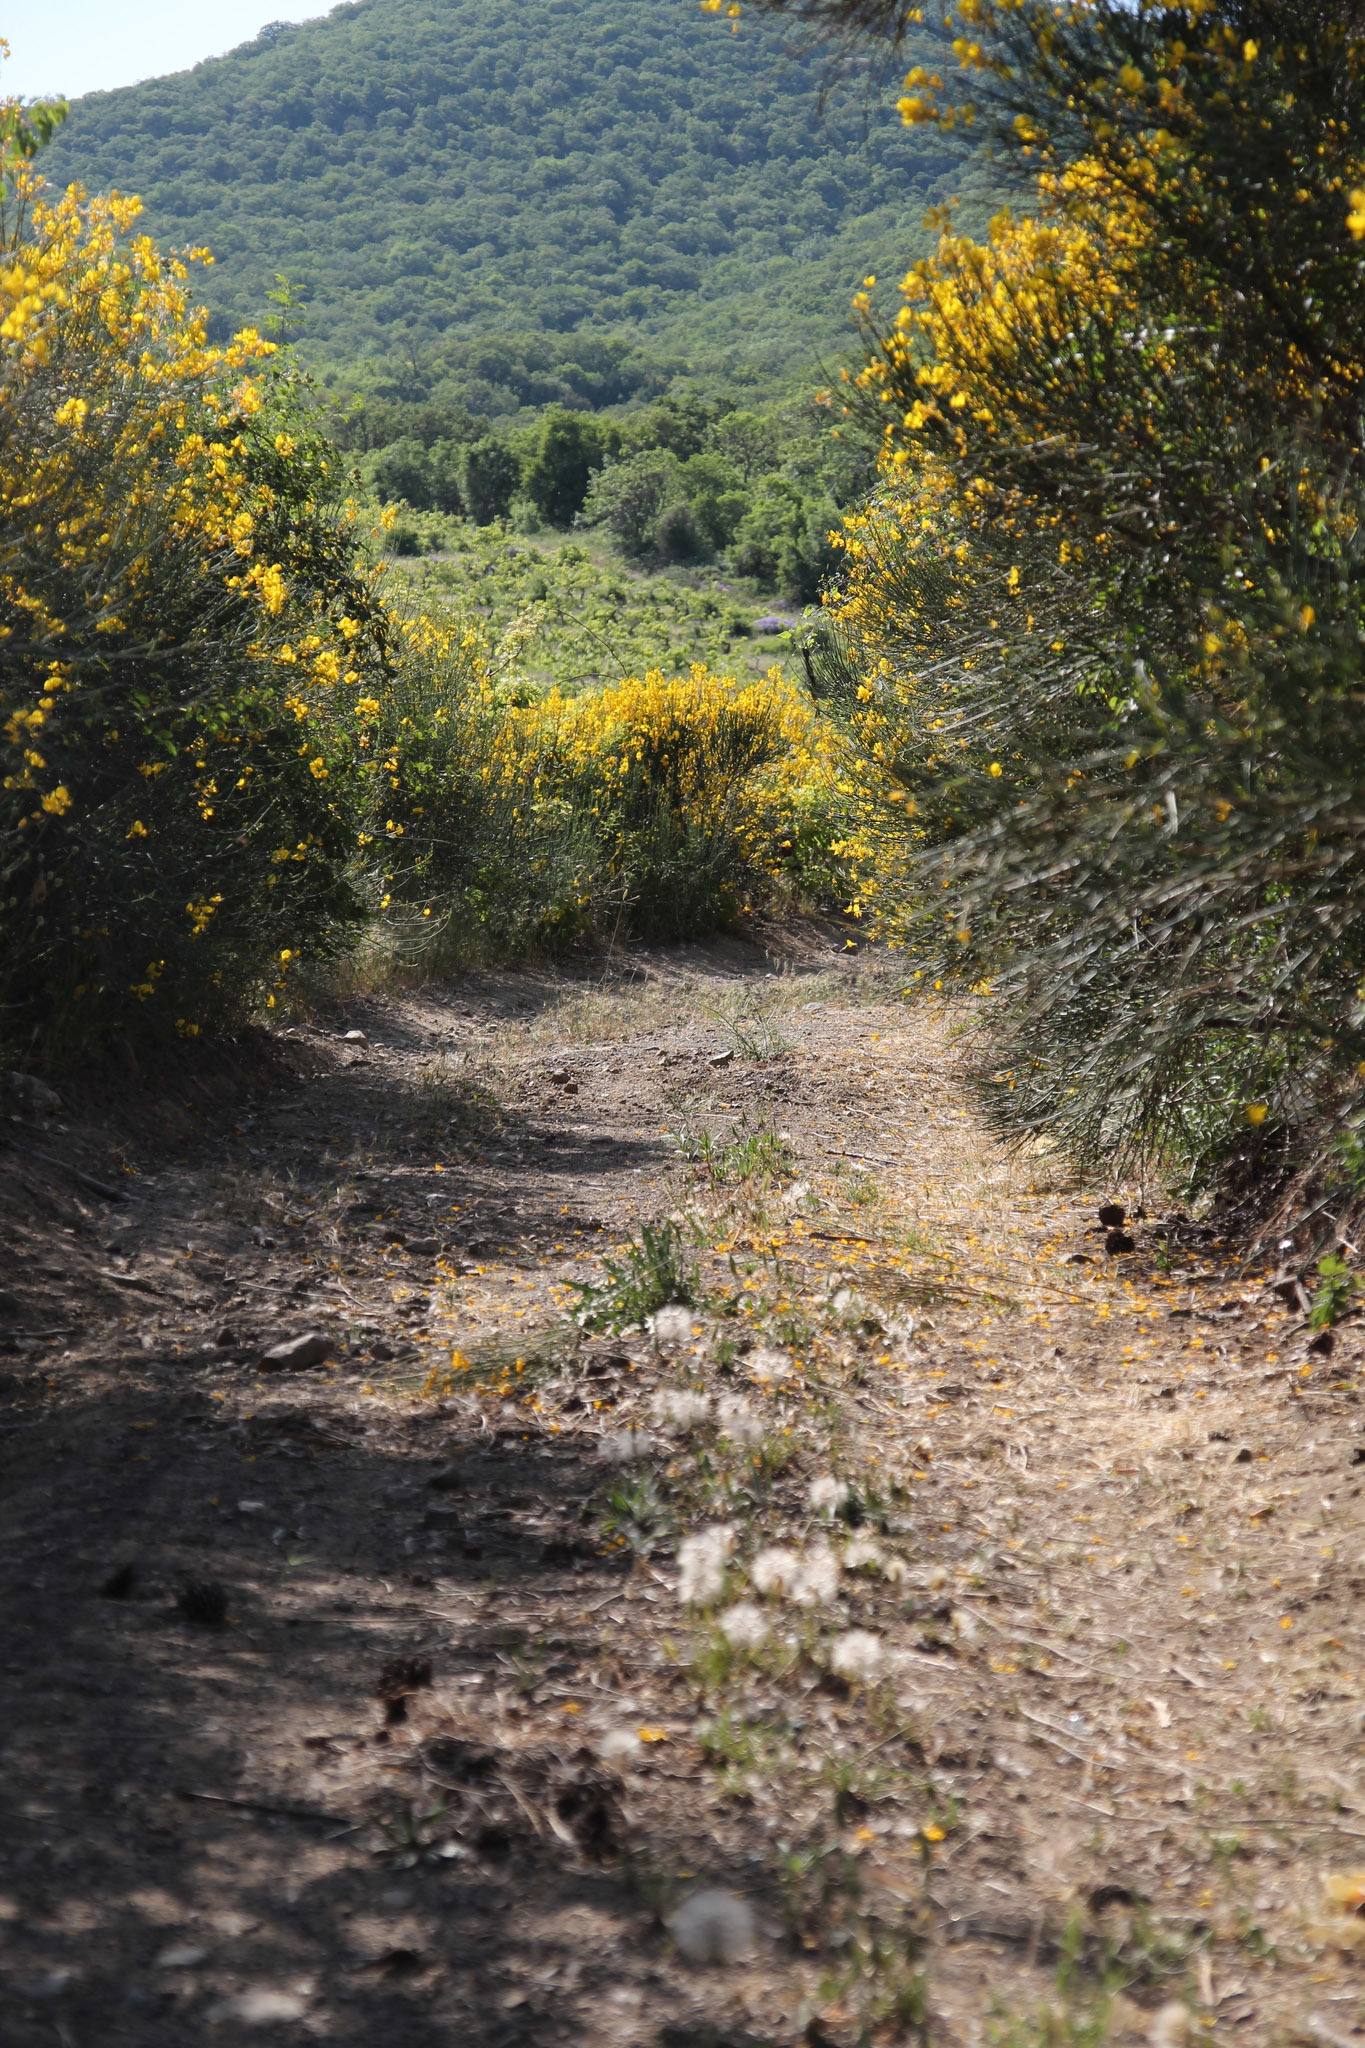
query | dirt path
[1025, 1647]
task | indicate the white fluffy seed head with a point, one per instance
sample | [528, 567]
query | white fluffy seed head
[623, 1446]
[677, 1409]
[863, 1555]
[937, 1578]
[827, 1494]
[671, 1327]
[714, 1926]
[1170, 2026]
[737, 1419]
[775, 1570]
[620, 1746]
[768, 1364]
[967, 1627]
[858, 1656]
[817, 1581]
[743, 1625]
[701, 1564]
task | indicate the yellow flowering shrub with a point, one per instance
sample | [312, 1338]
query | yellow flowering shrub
[656, 807]
[174, 599]
[701, 790]
[1097, 640]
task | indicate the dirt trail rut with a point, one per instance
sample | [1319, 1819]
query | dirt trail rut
[979, 1609]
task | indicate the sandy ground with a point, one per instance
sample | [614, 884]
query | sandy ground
[1018, 1695]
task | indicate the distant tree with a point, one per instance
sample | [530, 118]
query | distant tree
[746, 442]
[716, 499]
[402, 471]
[445, 468]
[680, 424]
[489, 474]
[680, 538]
[783, 540]
[571, 446]
[628, 498]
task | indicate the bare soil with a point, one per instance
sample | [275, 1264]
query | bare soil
[459, 1750]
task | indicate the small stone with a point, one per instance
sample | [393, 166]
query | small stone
[445, 1519]
[259, 2008]
[424, 1247]
[720, 1059]
[1119, 1241]
[714, 1926]
[184, 1956]
[559, 1076]
[53, 1984]
[34, 1095]
[296, 1354]
[571, 1087]
[354, 1038]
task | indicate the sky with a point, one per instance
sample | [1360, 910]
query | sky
[67, 47]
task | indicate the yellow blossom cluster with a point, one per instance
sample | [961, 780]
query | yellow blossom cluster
[745, 759]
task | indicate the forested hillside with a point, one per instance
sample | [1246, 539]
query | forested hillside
[433, 168]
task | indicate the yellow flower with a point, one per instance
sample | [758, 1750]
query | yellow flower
[996, 769]
[137, 830]
[57, 801]
[1257, 1112]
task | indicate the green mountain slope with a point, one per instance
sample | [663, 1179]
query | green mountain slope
[424, 170]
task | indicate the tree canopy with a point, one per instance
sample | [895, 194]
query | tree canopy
[422, 169]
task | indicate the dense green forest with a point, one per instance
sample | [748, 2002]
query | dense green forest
[678, 484]
[426, 170]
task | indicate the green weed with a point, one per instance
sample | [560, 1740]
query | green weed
[638, 1516]
[748, 1021]
[654, 1271]
[1332, 1297]
[757, 1154]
